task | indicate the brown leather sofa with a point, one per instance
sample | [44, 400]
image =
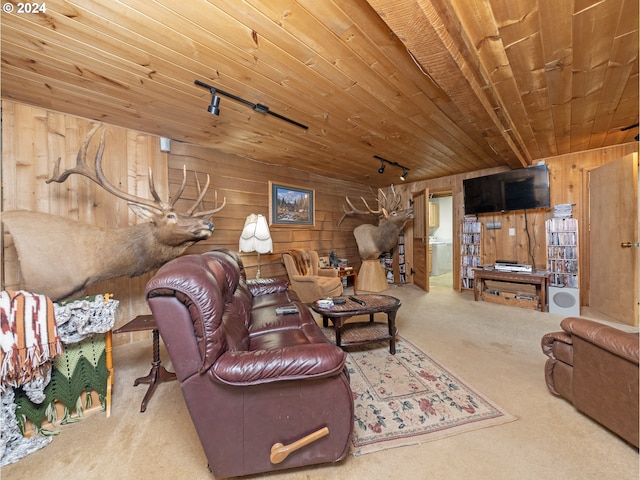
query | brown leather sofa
[254, 382]
[595, 367]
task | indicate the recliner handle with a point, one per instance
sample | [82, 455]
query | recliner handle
[279, 451]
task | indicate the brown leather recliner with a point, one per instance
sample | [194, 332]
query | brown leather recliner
[254, 381]
[595, 367]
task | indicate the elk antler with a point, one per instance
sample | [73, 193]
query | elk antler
[206, 213]
[355, 211]
[393, 204]
[97, 175]
[387, 205]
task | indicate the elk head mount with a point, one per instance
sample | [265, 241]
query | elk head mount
[60, 257]
[374, 240]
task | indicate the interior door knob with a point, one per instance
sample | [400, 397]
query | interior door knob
[629, 244]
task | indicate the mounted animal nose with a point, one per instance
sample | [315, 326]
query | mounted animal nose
[208, 224]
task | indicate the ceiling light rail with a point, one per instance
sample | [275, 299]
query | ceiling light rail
[405, 170]
[214, 107]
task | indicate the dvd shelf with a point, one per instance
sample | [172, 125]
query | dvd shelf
[402, 266]
[562, 252]
[471, 250]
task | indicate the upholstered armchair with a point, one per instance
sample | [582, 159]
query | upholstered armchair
[595, 367]
[307, 279]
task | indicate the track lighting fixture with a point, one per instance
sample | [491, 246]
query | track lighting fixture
[405, 170]
[214, 107]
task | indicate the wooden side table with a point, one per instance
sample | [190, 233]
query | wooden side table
[350, 273]
[158, 373]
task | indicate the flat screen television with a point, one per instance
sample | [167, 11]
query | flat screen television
[523, 189]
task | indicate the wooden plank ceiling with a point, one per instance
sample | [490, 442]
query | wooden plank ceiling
[441, 87]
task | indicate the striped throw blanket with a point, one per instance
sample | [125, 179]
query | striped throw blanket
[28, 336]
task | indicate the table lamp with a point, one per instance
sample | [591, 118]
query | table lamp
[256, 237]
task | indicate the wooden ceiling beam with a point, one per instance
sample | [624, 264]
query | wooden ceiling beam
[427, 34]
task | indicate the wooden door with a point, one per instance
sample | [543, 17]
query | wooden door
[421, 267]
[613, 216]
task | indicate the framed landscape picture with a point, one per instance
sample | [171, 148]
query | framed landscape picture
[291, 205]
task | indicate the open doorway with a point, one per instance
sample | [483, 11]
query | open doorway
[441, 239]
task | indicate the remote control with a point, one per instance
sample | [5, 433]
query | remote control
[286, 310]
[357, 300]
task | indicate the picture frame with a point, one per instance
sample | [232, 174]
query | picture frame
[291, 205]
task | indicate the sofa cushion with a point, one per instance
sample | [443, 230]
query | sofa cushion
[265, 319]
[273, 300]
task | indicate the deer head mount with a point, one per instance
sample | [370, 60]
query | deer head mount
[373, 240]
[60, 257]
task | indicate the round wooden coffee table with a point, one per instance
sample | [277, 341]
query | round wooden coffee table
[361, 333]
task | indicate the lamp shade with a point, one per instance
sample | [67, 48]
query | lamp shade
[255, 235]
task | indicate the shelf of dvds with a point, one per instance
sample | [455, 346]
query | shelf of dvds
[471, 251]
[562, 252]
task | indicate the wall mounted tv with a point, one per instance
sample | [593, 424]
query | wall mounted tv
[523, 189]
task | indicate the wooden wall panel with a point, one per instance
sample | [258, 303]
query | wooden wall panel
[34, 138]
[245, 184]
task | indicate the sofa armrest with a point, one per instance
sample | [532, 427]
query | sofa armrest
[327, 272]
[617, 342]
[549, 339]
[286, 363]
[265, 286]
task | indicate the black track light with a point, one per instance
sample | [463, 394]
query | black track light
[383, 161]
[214, 108]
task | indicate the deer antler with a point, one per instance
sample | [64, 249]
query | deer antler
[355, 211]
[388, 205]
[393, 204]
[97, 175]
[206, 213]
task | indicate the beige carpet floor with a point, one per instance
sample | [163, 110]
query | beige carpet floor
[495, 348]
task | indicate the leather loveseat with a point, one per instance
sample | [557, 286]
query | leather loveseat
[595, 367]
[257, 384]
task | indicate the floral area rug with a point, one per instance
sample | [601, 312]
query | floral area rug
[408, 398]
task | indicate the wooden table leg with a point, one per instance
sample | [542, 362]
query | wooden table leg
[108, 348]
[337, 326]
[158, 373]
[391, 320]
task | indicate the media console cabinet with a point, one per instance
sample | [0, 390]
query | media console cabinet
[537, 278]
